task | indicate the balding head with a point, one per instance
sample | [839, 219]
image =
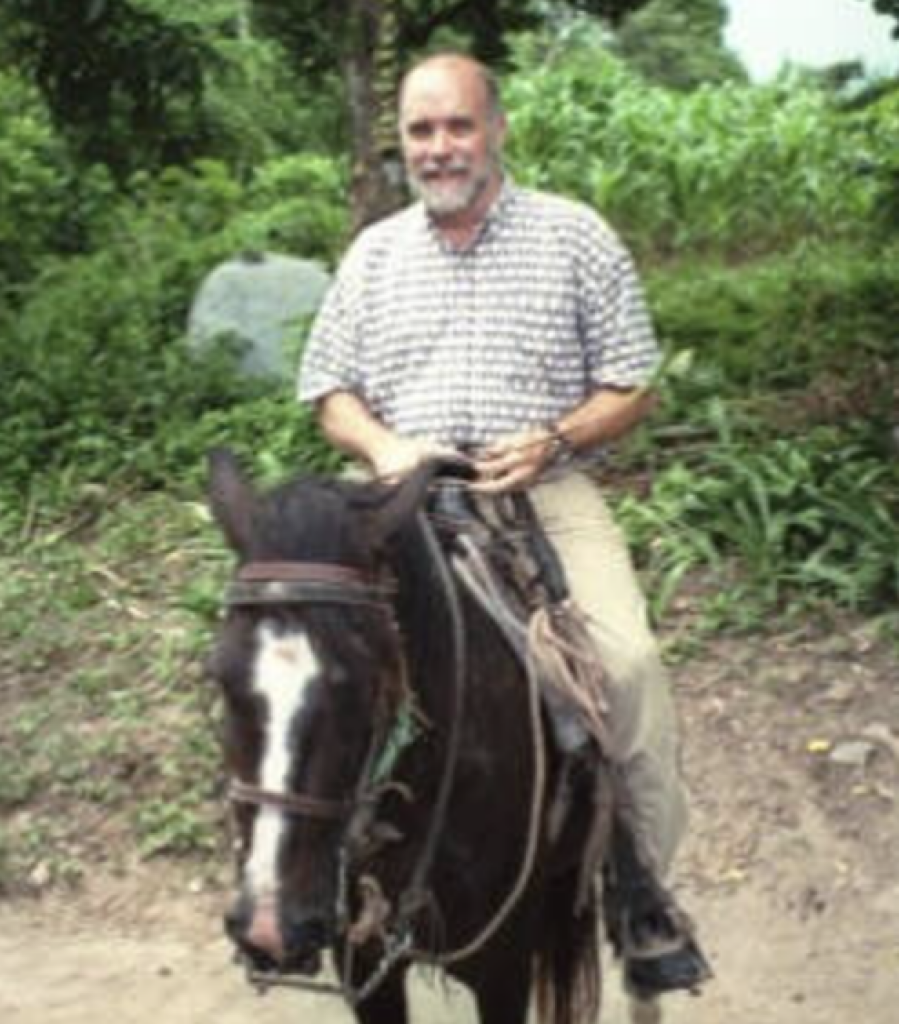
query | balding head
[462, 66]
[452, 132]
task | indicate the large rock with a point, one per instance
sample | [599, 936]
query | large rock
[262, 301]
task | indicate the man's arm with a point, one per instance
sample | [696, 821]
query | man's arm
[350, 425]
[517, 461]
[605, 416]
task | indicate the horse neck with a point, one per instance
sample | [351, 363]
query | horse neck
[426, 625]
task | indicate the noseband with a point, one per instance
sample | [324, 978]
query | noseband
[261, 584]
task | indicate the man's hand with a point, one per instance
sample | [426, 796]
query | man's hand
[513, 462]
[396, 457]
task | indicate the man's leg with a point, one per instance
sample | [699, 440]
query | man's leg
[642, 726]
[643, 729]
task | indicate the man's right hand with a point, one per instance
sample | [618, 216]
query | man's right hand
[397, 457]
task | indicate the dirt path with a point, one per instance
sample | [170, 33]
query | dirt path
[793, 755]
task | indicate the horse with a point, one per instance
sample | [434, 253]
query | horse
[390, 793]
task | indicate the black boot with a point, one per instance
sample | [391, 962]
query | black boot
[661, 955]
[651, 934]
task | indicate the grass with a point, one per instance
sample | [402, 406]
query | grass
[107, 726]
[109, 730]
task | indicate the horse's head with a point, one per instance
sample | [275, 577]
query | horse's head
[309, 665]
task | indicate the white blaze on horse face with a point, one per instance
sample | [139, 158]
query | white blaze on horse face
[285, 667]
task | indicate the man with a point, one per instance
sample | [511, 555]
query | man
[511, 323]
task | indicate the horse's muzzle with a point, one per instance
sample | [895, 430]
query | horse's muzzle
[272, 942]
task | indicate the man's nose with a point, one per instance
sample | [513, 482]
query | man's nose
[439, 144]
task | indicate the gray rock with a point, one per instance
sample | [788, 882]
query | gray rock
[262, 302]
[854, 753]
[880, 733]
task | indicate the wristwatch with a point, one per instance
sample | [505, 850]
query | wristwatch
[560, 447]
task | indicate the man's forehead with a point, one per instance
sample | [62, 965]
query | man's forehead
[442, 88]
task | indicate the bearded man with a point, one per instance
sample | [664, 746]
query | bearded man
[511, 324]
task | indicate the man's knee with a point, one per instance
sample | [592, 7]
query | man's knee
[633, 666]
[639, 700]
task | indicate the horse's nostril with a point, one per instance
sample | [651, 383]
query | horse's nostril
[304, 941]
[236, 921]
[312, 933]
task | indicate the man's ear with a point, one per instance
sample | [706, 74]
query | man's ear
[501, 129]
[232, 499]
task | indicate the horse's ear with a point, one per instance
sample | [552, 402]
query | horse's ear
[231, 498]
[405, 499]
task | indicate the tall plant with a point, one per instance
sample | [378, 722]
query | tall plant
[735, 169]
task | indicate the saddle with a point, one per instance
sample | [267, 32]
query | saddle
[501, 556]
[503, 559]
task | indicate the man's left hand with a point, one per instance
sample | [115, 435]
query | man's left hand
[513, 463]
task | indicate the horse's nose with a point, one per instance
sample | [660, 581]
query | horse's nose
[272, 943]
[305, 940]
[255, 929]
[264, 931]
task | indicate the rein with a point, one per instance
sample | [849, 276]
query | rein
[308, 583]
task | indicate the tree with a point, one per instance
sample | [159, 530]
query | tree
[371, 73]
[123, 79]
[889, 8]
[371, 41]
[679, 43]
[314, 31]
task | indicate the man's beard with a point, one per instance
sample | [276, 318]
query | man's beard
[449, 196]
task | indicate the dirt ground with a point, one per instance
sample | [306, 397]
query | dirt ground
[792, 752]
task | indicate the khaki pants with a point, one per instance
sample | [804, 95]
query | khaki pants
[643, 728]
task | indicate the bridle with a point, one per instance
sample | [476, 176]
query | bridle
[310, 583]
[266, 583]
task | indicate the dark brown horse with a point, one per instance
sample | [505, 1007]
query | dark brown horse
[388, 764]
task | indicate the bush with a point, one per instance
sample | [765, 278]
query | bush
[95, 356]
[805, 518]
[821, 317]
[736, 169]
[34, 178]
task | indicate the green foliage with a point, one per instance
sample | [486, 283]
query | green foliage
[111, 731]
[34, 181]
[679, 43]
[100, 377]
[144, 84]
[785, 326]
[123, 80]
[735, 170]
[295, 204]
[879, 120]
[317, 33]
[805, 518]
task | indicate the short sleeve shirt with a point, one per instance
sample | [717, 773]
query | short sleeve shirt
[462, 346]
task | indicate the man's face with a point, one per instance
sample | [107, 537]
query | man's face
[451, 142]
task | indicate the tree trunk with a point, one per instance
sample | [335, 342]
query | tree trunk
[371, 72]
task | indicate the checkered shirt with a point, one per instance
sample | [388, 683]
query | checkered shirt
[464, 346]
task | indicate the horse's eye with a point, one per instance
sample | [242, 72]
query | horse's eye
[337, 675]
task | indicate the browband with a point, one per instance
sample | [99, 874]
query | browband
[270, 583]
